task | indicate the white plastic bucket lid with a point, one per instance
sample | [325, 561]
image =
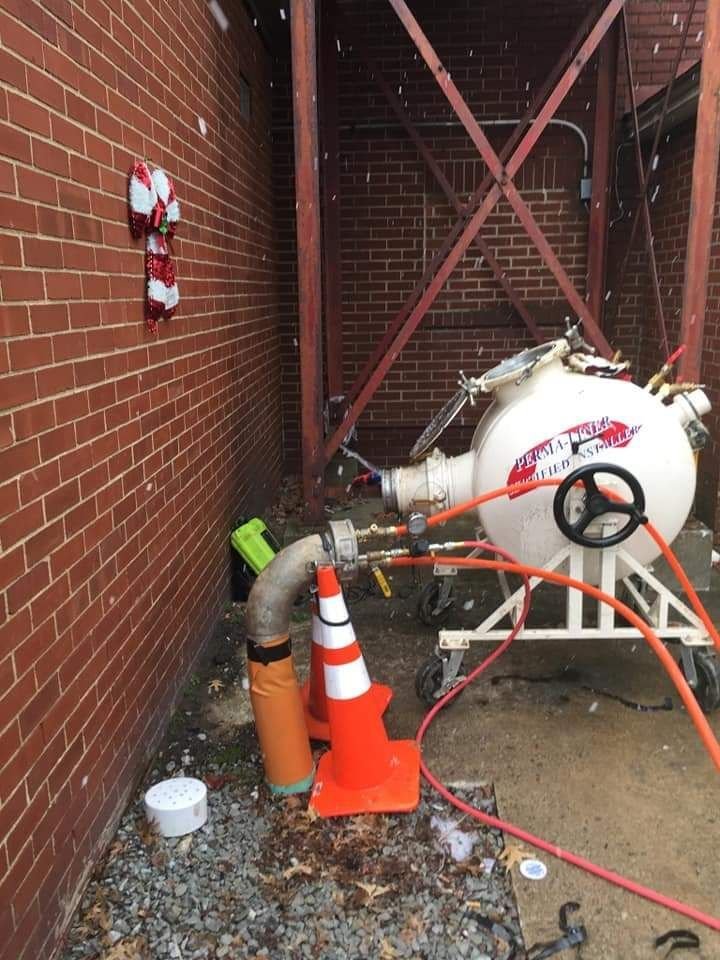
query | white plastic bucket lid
[177, 806]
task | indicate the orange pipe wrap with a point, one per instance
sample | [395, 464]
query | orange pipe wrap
[279, 717]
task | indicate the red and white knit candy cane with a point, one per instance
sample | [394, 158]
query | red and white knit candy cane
[154, 210]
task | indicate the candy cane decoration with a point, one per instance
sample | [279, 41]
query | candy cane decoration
[154, 211]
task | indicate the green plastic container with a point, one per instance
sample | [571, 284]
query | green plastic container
[255, 544]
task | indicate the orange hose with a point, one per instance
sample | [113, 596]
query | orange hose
[696, 715]
[527, 487]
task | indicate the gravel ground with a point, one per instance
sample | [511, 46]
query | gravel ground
[263, 878]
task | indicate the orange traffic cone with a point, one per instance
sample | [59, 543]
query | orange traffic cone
[313, 690]
[363, 772]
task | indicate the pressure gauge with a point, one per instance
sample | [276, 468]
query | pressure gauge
[417, 524]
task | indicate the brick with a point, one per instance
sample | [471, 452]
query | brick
[42, 253]
[10, 254]
[33, 420]
[50, 158]
[17, 215]
[63, 286]
[55, 223]
[19, 389]
[56, 379]
[20, 524]
[15, 143]
[7, 177]
[69, 135]
[42, 87]
[74, 197]
[22, 285]
[28, 586]
[30, 353]
[19, 458]
[12, 70]
[38, 482]
[62, 499]
[43, 544]
[14, 320]
[39, 705]
[49, 317]
[71, 407]
[31, 116]
[79, 256]
[12, 566]
[57, 441]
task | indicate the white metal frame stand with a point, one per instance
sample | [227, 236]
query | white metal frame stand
[684, 626]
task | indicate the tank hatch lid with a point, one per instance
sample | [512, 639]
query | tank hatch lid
[522, 365]
[439, 422]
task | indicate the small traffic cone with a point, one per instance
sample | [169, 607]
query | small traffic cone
[313, 690]
[363, 772]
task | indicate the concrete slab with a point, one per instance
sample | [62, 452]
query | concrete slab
[632, 791]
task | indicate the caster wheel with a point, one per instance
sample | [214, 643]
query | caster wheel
[707, 691]
[432, 609]
[429, 678]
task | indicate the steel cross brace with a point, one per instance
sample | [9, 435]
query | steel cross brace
[429, 272]
[443, 181]
[467, 228]
[645, 179]
[644, 205]
[446, 246]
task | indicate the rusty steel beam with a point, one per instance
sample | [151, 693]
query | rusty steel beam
[602, 162]
[504, 174]
[447, 188]
[644, 205]
[329, 166]
[514, 138]
[307, 196]
[653, 153]
[702, 199]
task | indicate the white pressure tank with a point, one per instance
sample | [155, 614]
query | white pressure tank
[546, 420]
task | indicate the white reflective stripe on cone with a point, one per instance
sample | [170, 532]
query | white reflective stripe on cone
[335, 638]
[317, 636]
[346, 680]
[333, 608]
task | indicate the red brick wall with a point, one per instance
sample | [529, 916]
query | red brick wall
[394, 216]
[655, 28]
[124, 456]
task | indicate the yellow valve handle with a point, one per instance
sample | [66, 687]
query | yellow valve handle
[382, 582]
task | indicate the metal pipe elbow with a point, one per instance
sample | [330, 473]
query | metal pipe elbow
[276, 588]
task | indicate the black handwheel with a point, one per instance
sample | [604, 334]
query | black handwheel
[429, 680]
[707, 689]
[597, 504]
[428, 610]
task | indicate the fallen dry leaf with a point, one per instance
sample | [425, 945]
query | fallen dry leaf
[184, 844]
[147, 831]
[297, 868]
[372, 890]
[98, 915]
[216, 781]
[387, 950]
[129, 948]
[115, 850]
[512, 855]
